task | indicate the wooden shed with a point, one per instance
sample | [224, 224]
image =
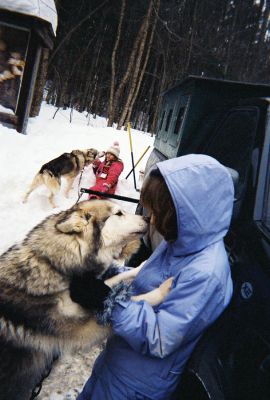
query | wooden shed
[26, 27]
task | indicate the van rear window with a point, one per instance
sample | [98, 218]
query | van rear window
[232, 142]
[161, 120]
[168, 121]
[179, 120]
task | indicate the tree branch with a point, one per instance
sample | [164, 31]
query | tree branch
[74, 29]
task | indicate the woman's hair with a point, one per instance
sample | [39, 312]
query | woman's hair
[155, 196]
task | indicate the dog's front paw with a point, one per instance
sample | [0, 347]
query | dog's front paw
[165, 288]
[156, 296]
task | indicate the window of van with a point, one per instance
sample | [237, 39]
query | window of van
[232, 142]
[266, 211]
[168, 121]
[179, 120]
[161, 120]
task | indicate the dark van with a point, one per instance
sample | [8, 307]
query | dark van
[229, 121]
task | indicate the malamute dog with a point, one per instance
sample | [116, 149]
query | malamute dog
[38, 319]
[67, 165]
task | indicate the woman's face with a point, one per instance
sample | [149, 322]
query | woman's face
[110, 157]
[156, 198]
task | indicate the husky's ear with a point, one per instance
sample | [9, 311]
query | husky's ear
[76, 152]
[74, 223]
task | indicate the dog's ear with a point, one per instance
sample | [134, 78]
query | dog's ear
[72, 223]
[76, 152]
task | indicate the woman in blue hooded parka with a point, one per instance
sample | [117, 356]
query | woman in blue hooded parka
[190, 201]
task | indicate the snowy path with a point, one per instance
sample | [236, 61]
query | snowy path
[68, 376]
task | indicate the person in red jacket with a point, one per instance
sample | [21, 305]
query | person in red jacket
[107, 172]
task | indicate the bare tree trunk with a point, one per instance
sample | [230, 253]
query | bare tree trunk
[162, 86]
[76, 27]
[111, 110]
[139, 61]
[140, 78]
[230, 44]
[150, 99]
[124, 81]
[192, 35]
[262, 33]
[92, 77]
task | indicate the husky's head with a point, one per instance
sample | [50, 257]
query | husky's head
[94, 233]
[91, 154]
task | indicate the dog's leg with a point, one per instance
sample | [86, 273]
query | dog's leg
[53, 184]
[37, 181]
[51, 200]
[90, 333]
[156, 296]
[70, 180]
[21, 369]
[124, 276]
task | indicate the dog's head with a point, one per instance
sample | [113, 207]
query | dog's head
[91, 154]
[96, 232]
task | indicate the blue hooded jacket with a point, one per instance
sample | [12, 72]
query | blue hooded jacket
[146, 355]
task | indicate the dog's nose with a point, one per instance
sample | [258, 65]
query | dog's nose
[146, 219]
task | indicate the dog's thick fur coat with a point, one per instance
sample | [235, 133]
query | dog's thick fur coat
[38, 319]
[68, 165]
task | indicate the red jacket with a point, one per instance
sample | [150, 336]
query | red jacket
[106, 176]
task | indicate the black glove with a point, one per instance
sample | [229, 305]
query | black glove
[88, 291]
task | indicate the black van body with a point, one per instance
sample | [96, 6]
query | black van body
[229, 121]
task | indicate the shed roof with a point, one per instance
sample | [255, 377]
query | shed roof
[216, 81]
[43, 9]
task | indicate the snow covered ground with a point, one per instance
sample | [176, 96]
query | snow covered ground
[21, 157]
